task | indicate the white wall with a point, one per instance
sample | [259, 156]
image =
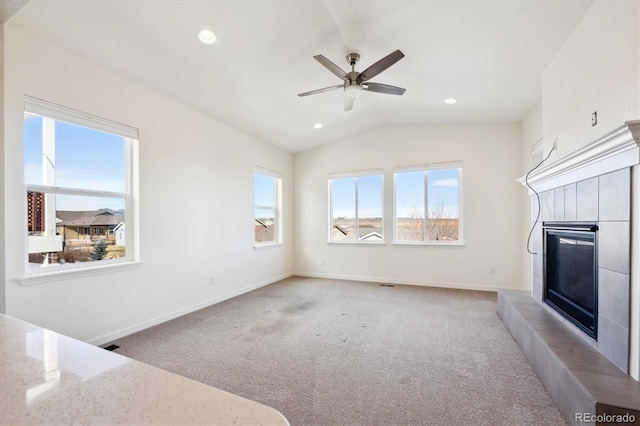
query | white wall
[531, 133]
[2, 203]
[492, 206]
[597, 69]
[196, 201]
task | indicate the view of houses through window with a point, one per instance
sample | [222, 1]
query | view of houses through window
[427, 203]
[267, 194]
[356, 208]
[76, 187]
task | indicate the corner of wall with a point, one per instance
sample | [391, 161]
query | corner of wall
[634, 320]
[532, 131]
[3, 307]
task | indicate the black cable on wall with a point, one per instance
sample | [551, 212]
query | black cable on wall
[526, 181]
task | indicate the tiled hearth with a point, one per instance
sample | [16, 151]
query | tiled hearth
[579, 378]
[590, 184]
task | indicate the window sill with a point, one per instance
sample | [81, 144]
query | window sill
[432, 244]
[44, 277]
[358, 243]
[267, 245]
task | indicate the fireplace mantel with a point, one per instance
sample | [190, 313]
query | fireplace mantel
[612, 151]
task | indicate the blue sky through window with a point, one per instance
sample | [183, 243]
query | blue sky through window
[442, 190]
[264, 190]
[84, 159]
[343, 192]
[370, 197]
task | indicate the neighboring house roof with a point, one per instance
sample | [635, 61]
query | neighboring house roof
[102, 217]
[343, 230]
[371, 236]
[263, 231]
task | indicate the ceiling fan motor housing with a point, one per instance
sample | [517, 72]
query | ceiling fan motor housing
[353, 58]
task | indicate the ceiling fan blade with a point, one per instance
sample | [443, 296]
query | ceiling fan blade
[332, 67]
[383, 88]
[326, 89]
[380, 66]
[348, 103]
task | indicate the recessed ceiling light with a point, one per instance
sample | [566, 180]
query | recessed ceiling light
[450, 101]
[207, 36]
[317, 126]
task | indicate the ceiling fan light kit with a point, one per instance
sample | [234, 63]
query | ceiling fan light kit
[355, 82]
[352, 91]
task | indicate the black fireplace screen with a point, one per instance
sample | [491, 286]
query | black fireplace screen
[570, 272]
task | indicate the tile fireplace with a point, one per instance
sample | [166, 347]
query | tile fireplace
[579, 325]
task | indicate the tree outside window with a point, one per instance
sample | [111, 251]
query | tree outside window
[428, 204]
[78, 173]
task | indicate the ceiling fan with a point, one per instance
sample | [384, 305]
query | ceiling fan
[356, 82]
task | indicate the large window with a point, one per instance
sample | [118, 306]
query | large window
[78, 172]
[356, 207]
[428, 204]
[268, 207]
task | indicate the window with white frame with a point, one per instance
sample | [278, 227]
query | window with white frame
[268, 207]
[428, 204]
[356, 207]
[78, 175]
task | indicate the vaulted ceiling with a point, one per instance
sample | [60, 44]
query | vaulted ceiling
[489, 55]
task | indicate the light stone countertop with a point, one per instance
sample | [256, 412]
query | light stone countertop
[49, 378]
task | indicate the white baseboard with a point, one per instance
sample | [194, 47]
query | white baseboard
[398, 281]
[111, 336]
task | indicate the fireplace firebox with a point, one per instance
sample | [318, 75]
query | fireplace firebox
[570, 272]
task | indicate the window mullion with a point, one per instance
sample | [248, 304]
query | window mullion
[49, 173]
[357, 221]
[129, 158]
[331, 210]
[74, 191]
[426, 206]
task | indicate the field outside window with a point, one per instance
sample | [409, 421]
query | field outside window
[428, 204]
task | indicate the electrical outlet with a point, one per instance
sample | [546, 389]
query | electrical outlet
[212, 281]
[492, 270]
[594, 118]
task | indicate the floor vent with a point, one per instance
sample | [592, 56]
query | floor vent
[387, 285]
[112, 347]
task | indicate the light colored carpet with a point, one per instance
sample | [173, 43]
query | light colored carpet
[329, 352]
